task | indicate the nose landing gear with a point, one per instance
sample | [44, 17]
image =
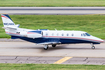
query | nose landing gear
[93, 47]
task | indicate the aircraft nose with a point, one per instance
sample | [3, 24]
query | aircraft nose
[100, 40]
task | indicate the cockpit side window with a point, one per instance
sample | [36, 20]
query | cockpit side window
[84, 35]
[81, 34]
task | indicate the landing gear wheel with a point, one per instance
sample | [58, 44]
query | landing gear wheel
[46, 47]
[54, 45]
[93, 47]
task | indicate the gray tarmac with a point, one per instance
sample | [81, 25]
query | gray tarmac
[23, 48]
[51, 60]
[19, 51]
[52, 10]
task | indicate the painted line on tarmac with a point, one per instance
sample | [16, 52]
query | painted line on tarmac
[62, 60]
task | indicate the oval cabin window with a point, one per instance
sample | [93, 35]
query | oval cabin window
[67, 34]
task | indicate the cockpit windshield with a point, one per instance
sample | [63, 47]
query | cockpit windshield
[87, 34]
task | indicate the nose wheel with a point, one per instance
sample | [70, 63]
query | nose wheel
[93, 47]
[45, 47]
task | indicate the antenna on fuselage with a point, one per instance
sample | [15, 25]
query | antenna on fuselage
[55, 29]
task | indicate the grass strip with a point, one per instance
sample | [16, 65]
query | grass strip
[53, 3]
[50, 67]
[93, 24]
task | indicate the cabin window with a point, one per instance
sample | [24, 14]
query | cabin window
[67, 34]
[72, 35]
[62, 34]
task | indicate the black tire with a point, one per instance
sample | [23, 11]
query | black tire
[45, 48]
[93, 47]
[54, 45]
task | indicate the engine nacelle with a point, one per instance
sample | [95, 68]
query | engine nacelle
[34, 35]
[30, 34]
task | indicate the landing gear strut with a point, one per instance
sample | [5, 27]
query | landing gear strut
[54, 45]
[45, 47]
[93, 47]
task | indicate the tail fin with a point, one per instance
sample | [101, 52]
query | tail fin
[7, 21]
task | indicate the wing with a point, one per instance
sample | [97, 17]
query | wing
[49, 43]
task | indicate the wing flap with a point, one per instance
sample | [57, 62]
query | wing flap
[49, 43]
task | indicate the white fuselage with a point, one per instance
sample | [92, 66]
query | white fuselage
[53, 34]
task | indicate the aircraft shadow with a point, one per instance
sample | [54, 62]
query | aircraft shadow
[55, 48]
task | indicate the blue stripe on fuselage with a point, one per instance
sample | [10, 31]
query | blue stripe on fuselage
[62, 40]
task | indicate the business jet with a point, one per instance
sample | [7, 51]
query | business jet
[47, 37]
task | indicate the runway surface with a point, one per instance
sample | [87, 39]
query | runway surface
[31, 49]
[52, 10]
[25, 52]
[18, 51]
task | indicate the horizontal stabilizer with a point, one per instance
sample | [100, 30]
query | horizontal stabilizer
[13, 28]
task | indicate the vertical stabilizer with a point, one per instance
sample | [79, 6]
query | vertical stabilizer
[7, 21]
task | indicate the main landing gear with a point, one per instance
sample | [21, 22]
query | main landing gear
[54, 45]
[93, 47]
[46, 47]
